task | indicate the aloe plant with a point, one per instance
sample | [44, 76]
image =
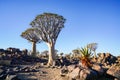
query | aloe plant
[85, 56]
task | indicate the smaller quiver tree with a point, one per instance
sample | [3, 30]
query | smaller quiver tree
[93, 47]
[30, 35]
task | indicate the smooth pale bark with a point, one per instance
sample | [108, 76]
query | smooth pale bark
[51, 60]
[34, 49]
[95, 56]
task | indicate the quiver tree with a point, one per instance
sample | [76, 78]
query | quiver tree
[75, 53]
[30, 35]
[93, 47]
[48, 27]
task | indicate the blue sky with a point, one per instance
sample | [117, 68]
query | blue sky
[87, 21]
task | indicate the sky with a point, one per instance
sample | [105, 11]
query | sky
[87, 21]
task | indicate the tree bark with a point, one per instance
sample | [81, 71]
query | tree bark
[34, 49]
[51, 60]
[95, 56]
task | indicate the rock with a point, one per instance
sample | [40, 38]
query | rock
[106, 59]
[1, 71]
[102, 55]
[3, 77]
[99, 60]
[13, 50]
[71, 67]
[64, 61]
[114, 71]
[5, 62]
[88, 74]
[113, 59]
[98, 68]
[26, 76]
[10, 77]
[1, 50]
[63, 71]
[74, 74]
[94, 59]
[24, 52]
[107, 55]
[16, 69]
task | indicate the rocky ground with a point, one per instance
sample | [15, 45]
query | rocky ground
[16, 65]
[38, 72]
[30, 72]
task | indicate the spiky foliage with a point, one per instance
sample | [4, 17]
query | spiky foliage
[85, 55]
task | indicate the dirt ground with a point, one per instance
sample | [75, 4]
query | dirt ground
[50, 74]
[43, 73]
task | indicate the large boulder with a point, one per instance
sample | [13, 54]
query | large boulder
[106, 59]
[114, 71]
[88, 74]
[81, 73]
[71, 67]
[75, 74]
[99, 69]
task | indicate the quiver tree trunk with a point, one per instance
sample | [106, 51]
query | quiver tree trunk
[51, 61]
[34, 49]
[95, 55]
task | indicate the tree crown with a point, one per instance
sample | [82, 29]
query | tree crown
[30, 35]
[48, 26]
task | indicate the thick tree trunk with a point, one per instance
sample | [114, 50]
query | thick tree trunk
[51, 60]
[34, 49]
